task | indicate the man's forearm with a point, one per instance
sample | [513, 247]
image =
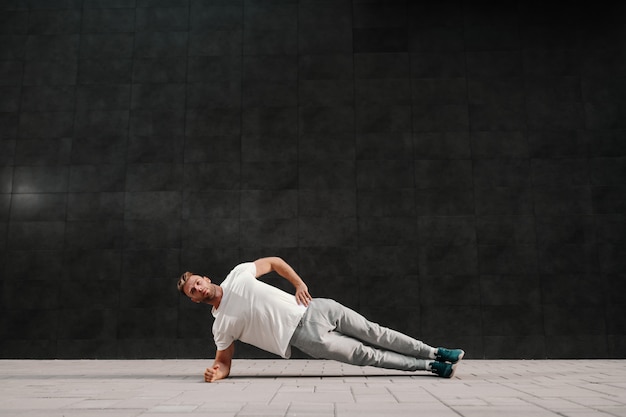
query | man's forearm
[283, 269]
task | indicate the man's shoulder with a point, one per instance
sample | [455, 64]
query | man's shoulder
[243, 269]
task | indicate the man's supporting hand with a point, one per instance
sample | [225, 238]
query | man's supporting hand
[213, 374]
[221, 365]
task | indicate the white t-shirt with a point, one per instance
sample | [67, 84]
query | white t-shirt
[255, 313]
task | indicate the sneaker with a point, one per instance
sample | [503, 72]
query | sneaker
[443, 369]
[449, 355]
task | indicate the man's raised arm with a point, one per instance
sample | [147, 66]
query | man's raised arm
[221, 365]
[282, 268]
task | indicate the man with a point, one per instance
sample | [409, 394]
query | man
[259, 314]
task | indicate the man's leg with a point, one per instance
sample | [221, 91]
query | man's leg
[353, 324]
[342, 348]
[330, 330]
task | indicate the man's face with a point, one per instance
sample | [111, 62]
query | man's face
[199, 289]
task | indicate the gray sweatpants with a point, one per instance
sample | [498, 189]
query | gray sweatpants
[329, 330]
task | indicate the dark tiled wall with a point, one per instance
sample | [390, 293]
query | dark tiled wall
[453, 170]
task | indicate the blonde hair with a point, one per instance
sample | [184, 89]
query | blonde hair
[183, 280]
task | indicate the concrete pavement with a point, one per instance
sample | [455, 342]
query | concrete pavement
[309, 388]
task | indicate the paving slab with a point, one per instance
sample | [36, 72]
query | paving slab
[310, 388]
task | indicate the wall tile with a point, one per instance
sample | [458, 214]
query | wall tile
[282, 204]
[392, 91]
[157, 123]
[438, 320]
[92, 234]
[162, 19]
[383, 146]
[327, 175]
[211, 204]
[211, 176]
[440, 118]
[152, 234]
[326, 120]
[562, 200]
[78, 265]
[99, 151]
[325, 93]
[507, 289]
[320, 146]
[320, 231]
[448, 37]
[512, 144]
[154, 177]
[36, 235]
[515, 347]
[610, 228]
[573, 289]
[40, 152]
[50, 72]
[5, 204]
[443, 173]
[197, 148]
[442, 145]
[382, 118]
[268, 233]
[14, 22]
[386, 202]
[387, 230]
[440, 289]
[387, 261]
[212, 122]
[495, 230]
[384, 174]
[114, 20]
[453, 231]
[494, 64]
[581, 321]
[437, 64]
[30, 325]
[101, 125]
[40, 179]
[500, 259]
[269, 175]
[576, 346]
[512, 320]
[45, 125]
[607, 171]
[381, 65]
[160, 44]
[149, 323]
[326, 66]
[444, 202]
[204, 17]
[45, 265]
[38, 207]
[106, 46]
[95, 178]
[268, 42]
[610, 258]
[6, 178]
[208, 42]
[608, 199]
[504, 201]
[152, 205]
[52, 47]
[12, 47]
[453, 260]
